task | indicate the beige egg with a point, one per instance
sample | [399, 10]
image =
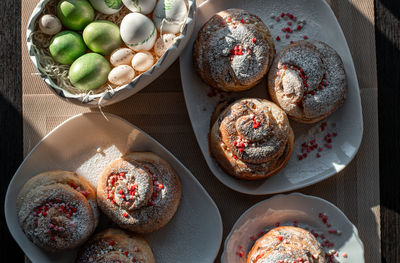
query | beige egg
[142, 61]
[163, 43]
[121, 56]
[121, 75]
[50, 24]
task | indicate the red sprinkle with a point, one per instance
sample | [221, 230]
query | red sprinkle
[277, 224]
[240, 253]
[283, 14]
[345, 255]
[289, 23]
[278, 19]
[280, 238]
[305, 37]
[318, 155]
[125, 215]
[235, 157]
[242, 21]
[278, 38]
[112, 243]
[254, 40]
[298, 27]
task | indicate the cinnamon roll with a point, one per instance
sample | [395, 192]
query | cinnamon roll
[251, 139]
[57, 210]
[139, 191]
[233, 50]
[114, 245]
[286, 244]
[307, 80]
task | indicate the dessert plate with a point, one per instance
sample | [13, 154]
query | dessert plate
[302, 209]
[319, 22]
[85, 144]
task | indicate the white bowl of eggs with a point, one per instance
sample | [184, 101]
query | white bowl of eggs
[99, 52]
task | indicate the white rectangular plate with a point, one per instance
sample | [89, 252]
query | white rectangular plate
[193, 235]
[321, 25]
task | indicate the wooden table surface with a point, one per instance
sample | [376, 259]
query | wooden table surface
[387, 31]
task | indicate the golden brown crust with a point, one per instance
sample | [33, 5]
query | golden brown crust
[286, 244]
[57, 210]
[252, 139]
[115, 245]
[307, 80]
[140, 192]
[233, 50]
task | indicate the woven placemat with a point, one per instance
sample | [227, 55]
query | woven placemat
[160, 110]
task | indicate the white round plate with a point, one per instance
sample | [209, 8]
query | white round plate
[286, 209]
[125, 91]
[321, 25]
[73, 146]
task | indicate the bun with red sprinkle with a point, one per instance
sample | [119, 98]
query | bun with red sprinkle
[115, 245]
[233, 50]
[139, 191]
[287, 244]
[251, 138]
[57, 210]
[308, 81]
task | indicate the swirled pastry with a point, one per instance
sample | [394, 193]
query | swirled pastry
[57, 210]
[307, 80]
[114, 245]
[252, 139]
[286, 244]
[139, 191]
[233, 50]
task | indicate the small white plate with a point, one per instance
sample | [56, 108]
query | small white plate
[73, 146]
[321, 25]
[286, 209]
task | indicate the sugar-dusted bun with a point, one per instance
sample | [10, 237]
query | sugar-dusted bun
[286, 244]
[307, 80]
[115, 245]
[57, 210]
[251, 139]
[139, 191]
[233, 50]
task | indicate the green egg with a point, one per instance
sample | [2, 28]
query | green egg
[102, 37]
[89, 72]
[67, 46]
[75, 14]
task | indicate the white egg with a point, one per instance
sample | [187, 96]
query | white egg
[121, 75]
[163, 43]
[121, 56]
[138, 32]
[140, 6]
[170, 15]
[107, 7]
[50, 24]
[142, 61]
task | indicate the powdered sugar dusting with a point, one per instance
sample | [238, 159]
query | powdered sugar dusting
[56, 217]
[254, 134]
[308, 80]
[234, 49]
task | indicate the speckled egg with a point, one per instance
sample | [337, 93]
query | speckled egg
[138, 32]
[121, 75]
[170, 15]
[107, 7]
[142, 61]
[50, 24]
[140, 6]
[163, 43]
[121, 56]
